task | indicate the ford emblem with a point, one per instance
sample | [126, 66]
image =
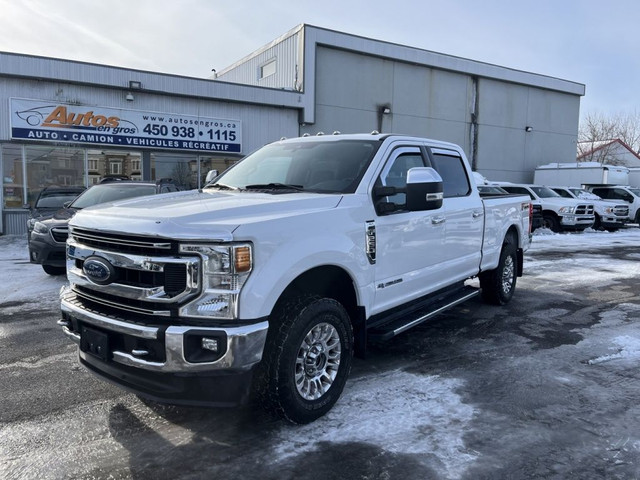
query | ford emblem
[98, 270]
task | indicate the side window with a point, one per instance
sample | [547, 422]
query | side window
[454, 175]
[601, 192]
[395, 171]
[519, 191]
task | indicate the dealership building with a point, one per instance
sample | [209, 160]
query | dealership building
[64, 122]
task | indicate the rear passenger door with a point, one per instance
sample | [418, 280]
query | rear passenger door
[463, 215]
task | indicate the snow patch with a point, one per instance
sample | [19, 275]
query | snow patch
[398, 411]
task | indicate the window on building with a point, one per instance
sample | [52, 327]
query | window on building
[181, 168]
[47, 166]
[93, 165]
[268, 68]
[12, 179]
[115, 167]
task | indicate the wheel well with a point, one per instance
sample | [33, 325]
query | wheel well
[550, 212]
[327, 281]
[513, 233]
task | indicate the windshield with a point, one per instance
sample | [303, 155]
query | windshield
[544, 192]
[584, 194]
[56, 201]
[110, 193]
[316, 166]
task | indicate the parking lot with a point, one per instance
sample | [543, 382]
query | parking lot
[546, 387]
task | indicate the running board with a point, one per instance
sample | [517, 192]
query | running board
[396, 327]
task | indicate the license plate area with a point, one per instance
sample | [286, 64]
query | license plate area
[94, 342]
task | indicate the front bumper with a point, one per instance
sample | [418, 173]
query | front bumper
[577, 221]
[163, 362]
[44, 251]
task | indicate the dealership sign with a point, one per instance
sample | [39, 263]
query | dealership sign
[40, 120]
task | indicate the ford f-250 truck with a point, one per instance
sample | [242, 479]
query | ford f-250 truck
[265, 283]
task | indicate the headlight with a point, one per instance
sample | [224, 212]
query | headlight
[609, 210]
[41, 228]
[225, 268]
[567, 209]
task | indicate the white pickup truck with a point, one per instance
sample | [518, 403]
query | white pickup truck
[558, 213]
[268, 280]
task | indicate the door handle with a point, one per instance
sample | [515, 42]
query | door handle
[437, 220]
[477, 214]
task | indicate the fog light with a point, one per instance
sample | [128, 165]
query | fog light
[210, 344]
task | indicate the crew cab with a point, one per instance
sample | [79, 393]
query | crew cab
[558, 213]
[610, 214]
[264, 283]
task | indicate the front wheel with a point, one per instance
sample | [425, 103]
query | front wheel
[550, 222]
[52, 270]
[498, 285]
[307, 358]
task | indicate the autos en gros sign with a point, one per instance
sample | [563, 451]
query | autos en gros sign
[40, 120]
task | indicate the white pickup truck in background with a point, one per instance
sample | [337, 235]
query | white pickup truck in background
[270, 278]
[558, 213]
[610, 214]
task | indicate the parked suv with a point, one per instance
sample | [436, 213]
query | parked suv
[558, 213]
[610, 214]
[630, 195]
[49, 201]
[47, 240]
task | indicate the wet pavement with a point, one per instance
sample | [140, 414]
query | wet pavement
[546, 387]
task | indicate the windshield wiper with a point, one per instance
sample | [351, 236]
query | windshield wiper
[221, 186]
[274, 186]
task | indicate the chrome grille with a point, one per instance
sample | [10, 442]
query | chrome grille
[151, 281]
[584, 210]
[621, 211]
[124, 243]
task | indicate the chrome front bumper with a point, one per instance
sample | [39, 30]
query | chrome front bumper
[245, 344]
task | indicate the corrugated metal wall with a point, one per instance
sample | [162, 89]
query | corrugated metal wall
[15, 222]
[286, 53]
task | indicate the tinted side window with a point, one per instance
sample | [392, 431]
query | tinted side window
[454, 175]
[519, 190]
[395, 171]
[603, 192]
[563, 193]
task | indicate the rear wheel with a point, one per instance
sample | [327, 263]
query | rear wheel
[499, 284]
[307, 358]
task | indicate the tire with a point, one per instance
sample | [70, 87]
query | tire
[52, 270]
[307, 359]
[550, 222]
[637, 219]
[498, 285]
[597, 224]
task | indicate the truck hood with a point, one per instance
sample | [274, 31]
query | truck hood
[199, 215]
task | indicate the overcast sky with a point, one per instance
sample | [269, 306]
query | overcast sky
[593, 42]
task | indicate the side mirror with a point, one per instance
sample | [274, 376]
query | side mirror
[424, 189]
[211, 174]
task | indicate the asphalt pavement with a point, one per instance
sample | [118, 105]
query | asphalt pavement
[544, 388]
